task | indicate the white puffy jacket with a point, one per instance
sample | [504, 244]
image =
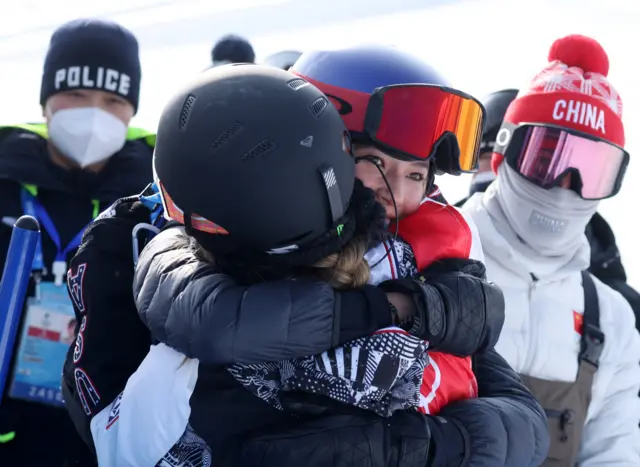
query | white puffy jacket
[539, 339]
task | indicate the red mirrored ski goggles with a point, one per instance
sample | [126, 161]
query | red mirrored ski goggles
[413, 119]
[410, 121]
[545, 155]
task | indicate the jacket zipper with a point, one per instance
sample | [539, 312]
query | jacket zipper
[565, 418]
[531, 349]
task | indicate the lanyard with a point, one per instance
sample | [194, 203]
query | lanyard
[32, 207]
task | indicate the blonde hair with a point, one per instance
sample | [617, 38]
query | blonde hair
[346, 269]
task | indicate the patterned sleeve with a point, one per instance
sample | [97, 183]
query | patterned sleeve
[407, 266]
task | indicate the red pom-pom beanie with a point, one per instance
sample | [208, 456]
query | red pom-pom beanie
[571, 92]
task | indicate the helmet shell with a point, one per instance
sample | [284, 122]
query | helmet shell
[243, 146]
[349, 76]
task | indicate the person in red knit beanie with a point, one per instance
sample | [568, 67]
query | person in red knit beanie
[559, 151]
[573, 93]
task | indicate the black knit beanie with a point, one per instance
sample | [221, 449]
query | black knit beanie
[92, 54]
[232, 49]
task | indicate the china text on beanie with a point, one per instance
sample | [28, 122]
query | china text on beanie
[92, 54]
[572, 92]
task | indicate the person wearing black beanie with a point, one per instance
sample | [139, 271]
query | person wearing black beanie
[64, 172]
[495, 105]
[232, 49]
[94, 55]
[90, 90]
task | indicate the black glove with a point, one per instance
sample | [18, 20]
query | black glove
[481, 427]
[451, 265]
[448, 443]
[457, 310]
[112, 229]
[127, 208]
[350, 440]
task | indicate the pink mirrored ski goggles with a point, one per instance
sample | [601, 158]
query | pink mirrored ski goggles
[545, 155]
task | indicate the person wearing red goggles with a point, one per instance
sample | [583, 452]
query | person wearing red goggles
[407, 124]
[405, 120]
[572, 338]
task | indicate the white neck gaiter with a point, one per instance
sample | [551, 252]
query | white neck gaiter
[551, 223]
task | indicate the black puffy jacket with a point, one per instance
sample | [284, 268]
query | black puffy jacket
[115, 341]
[606, 263]
[190, 306]
[503, 427]
[69, 197]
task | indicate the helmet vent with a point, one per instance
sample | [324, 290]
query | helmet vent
[297, 83]
[263, 147]
[318, 106]
[185, 113]
[233, 130]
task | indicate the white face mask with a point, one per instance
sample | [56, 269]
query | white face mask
[551, 222]
[87, 134]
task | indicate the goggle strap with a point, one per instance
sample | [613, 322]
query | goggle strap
[503, 138]
[333, 191]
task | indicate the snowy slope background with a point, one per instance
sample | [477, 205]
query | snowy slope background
[481, 45]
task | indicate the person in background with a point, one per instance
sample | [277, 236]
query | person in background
[572, 338]
[64, 172]
[284, 59]
[495, 105]
[232, 49]
[606, 262]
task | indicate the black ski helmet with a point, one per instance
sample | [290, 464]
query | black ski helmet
[254, 154]
[496, 105]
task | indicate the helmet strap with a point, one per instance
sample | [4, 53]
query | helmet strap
[187, 223]
[333, 192]
[432, 176]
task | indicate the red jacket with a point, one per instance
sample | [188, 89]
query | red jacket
[434, 232]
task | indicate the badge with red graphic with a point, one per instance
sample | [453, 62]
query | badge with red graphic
[577, 322]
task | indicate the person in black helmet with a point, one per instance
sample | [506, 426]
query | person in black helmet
[294, 205]
[296, 235]
[495, 105]
[232, 49]
[606, 262]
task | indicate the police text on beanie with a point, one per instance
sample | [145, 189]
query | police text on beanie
[95, 55]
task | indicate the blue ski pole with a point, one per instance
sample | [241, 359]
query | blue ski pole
[13, 288]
